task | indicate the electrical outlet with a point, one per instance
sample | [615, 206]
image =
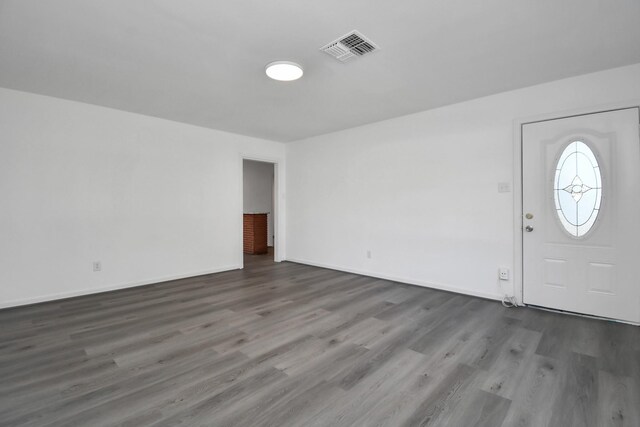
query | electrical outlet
[97, 266]
[503, 273]
[369, 254]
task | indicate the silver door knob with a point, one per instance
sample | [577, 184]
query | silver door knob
[528, 228]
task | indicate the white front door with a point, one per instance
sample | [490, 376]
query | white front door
[581, 214]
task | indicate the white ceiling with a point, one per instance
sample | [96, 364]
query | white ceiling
[202, 61]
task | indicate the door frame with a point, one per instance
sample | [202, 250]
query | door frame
[278, 204]
[518, 208]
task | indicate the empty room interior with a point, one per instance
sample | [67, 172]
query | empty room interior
[288, 213]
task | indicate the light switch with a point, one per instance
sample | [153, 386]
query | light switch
[504, 187]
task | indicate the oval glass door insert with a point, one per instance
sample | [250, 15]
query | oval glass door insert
[577, 189]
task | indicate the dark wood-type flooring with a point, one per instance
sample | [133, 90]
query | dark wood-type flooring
[292, 345]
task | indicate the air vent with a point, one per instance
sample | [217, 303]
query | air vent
[349, 46]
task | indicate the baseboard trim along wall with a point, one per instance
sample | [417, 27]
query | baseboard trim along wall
[408, 281]
[82, 292]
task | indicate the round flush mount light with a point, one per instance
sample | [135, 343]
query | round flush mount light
[284, 71]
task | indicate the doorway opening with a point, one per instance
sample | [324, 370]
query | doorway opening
[259, 211]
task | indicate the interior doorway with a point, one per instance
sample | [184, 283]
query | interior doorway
[259, 210]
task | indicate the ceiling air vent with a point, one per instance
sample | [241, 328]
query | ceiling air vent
[349, 46]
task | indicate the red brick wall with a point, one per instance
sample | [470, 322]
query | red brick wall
[255, 234]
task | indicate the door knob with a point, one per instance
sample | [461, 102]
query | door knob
[528, 228]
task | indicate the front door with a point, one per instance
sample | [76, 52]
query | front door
[581, 214]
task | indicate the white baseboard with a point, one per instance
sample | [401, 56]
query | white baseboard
[409, 281]
[81, 292]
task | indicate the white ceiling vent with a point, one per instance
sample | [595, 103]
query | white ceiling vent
[349, 46]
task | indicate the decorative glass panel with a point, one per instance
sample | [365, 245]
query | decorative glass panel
[577, 189]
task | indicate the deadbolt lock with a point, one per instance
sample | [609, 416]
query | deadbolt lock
[529, 216]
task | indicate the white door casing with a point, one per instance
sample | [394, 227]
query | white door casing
[597, 273]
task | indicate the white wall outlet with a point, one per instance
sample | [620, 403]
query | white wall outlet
[503, 273]
[504, 187]
[369, 254]
[97, 266]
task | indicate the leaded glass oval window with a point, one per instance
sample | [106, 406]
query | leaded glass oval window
[577, 188]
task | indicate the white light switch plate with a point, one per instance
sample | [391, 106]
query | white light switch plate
[504, 187]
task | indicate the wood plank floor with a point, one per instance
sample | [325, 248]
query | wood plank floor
[292, 345]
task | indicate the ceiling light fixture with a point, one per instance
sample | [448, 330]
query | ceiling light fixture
[284, 71]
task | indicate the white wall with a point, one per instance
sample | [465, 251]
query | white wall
[149, 198]
[420, 191]
[154, 199]
[258, 191]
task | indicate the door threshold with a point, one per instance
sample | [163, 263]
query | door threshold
[573, 313]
